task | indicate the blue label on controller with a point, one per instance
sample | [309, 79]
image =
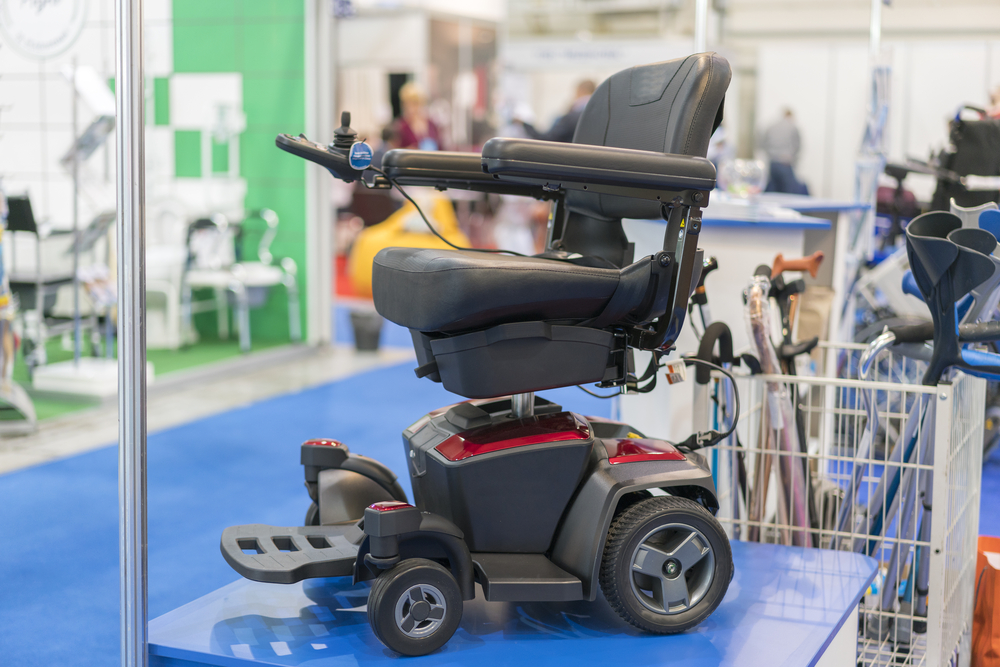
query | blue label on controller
[360, 156]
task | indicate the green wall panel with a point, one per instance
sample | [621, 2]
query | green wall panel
[161, 101]
[198, 10]
[271, 100]
[208, 47]
[266, 45]
[220, 157]
[264, 41]
[272, 9]
[187, 153]
[261, 159]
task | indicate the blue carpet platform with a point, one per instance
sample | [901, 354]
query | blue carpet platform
[59, 550]
[783, 608]
[59, 545]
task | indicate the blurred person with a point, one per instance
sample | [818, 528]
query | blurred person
[994, 110]
[517, 220]
[414, 127]
[782, 143]
[565, 126]
[390, 140]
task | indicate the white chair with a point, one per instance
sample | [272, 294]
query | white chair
[258, 277]
[211, 256]
[212, 264]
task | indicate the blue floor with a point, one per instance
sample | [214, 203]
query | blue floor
[59, 544]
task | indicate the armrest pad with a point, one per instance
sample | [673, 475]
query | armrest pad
[554, 162]
[401, 162]
[450, 170]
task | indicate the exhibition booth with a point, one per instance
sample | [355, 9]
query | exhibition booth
[686, 313]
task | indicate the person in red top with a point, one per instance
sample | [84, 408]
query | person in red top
[414, 128]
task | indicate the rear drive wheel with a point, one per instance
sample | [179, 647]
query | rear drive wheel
[667, 564]
[414, 607]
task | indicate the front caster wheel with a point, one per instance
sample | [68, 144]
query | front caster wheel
[312, 515]
[414, 607]
[667, 564]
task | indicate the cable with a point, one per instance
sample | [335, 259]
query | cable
[427, 222]
[594, 393]
[711, 437]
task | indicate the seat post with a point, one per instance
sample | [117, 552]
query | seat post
[523, 405]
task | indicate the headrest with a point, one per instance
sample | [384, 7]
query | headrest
[668, 107]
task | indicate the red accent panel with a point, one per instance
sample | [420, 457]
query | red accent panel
[389, 505]
[559, 427]
[327, 442]
[633, 450]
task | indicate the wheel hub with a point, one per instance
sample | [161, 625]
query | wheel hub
[420, 611]
[672, 569]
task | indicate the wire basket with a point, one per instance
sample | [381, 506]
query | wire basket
[772, 489]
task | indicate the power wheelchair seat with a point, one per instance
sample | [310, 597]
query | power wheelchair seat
[486, 325]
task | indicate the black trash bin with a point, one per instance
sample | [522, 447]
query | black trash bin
[367, 327]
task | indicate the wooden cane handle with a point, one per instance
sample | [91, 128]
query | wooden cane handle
[810, 264]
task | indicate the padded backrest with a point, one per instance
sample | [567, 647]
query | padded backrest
[670, 107]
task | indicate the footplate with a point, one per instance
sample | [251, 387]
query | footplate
[280, 555]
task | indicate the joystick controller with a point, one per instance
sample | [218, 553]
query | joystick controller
[345, 157]
[344, 136]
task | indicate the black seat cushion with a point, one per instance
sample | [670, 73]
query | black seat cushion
[452, 290]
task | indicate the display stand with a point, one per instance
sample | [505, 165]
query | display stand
[93, 377]
[786, 606]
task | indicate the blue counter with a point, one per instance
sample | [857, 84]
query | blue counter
[783, 608]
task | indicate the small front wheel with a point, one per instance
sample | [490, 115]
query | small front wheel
[312, 515]
[667, 564]
[415, 607]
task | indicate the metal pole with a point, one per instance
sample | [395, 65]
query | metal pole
[131, 332]
[700, 26]
[875, 30]
[523, 405]
[76, 223]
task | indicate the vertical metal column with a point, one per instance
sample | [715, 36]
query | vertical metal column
[875, 29]
[131, 331]
[700, 26]
[77, 333]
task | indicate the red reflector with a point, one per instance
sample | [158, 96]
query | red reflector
[325, 442]
[559, 427]
[634, 450]
[389, 505]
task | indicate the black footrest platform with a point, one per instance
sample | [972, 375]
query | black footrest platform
[525, 578]
[280, 555]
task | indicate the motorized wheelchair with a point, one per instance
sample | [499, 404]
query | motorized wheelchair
[511, 491]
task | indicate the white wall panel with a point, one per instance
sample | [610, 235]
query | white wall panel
[827, 86]
[798, 77]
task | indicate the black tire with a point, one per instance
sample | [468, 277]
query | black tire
[392, 602]
[312, 515]
[631, 499]
[673, 530]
